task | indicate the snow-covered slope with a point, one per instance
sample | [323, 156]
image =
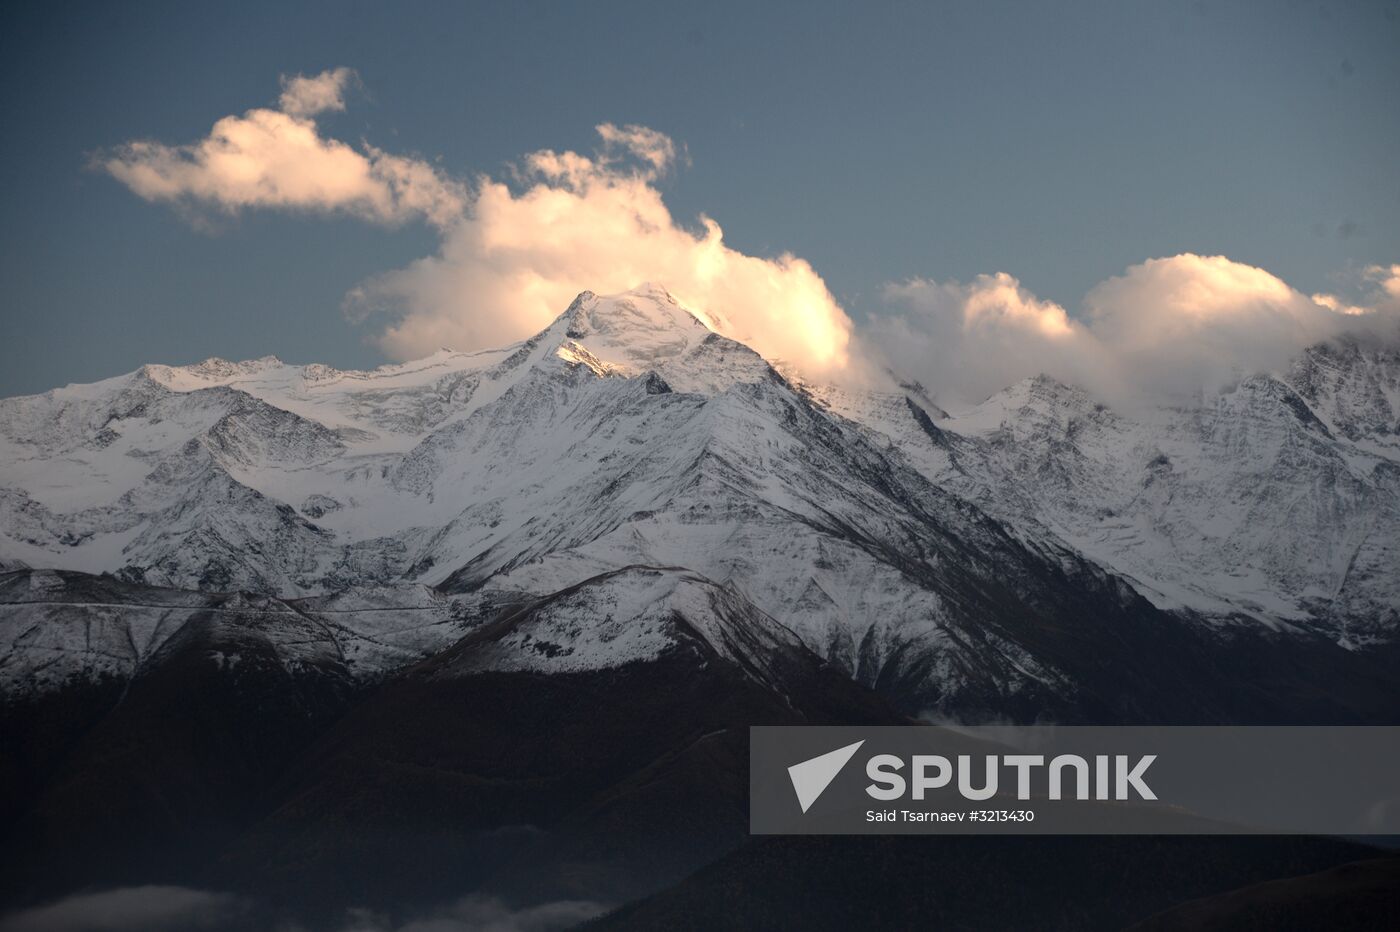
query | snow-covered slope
[303, 479]
[1276, 500]
[945, 559]
[637, 614]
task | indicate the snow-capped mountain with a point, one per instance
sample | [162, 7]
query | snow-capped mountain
[500, 621]
[1020, 558]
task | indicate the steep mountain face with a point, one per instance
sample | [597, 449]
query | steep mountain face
[1355, 390]
[1039, 555]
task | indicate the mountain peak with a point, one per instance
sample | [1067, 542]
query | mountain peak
[647, 307]
[635, 330]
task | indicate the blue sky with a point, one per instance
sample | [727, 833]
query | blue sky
[1061, 143]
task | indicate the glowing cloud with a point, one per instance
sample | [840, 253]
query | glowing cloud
[598, 222]
[1190, 322]
[969, 340]
[1388, 277]
[278, 158]
[1334, 303]
[1167, 329]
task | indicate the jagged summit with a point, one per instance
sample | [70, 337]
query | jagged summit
[646, 329]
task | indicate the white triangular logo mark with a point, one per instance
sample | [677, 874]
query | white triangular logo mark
[811, 777]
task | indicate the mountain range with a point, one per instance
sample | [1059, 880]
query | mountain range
[499, 620]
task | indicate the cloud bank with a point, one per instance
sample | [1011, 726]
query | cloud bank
[279, 159]
[514, 252]
[965, 341]
[1166, 329]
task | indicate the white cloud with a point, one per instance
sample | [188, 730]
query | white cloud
[969, 340]
[279, 159]
[1189, 322]
[1388, 278]
[598, 222]
[1166, 328]
[1334, 303]
[654, 148]
[303, 96]
[1380, 295]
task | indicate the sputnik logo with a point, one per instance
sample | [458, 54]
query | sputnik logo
[811, 777]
